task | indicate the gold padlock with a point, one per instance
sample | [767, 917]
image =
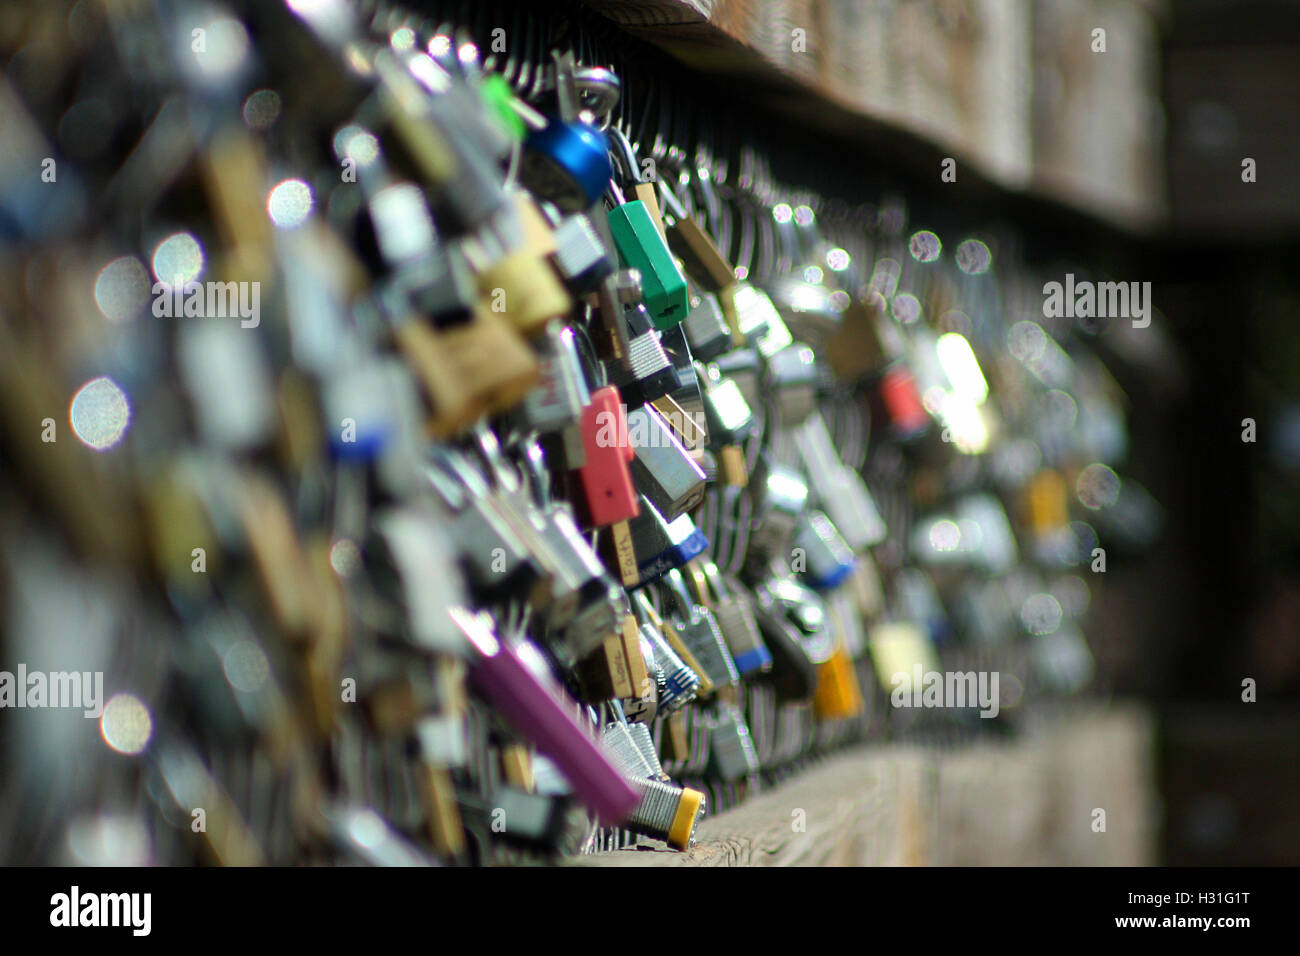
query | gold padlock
[524, 288]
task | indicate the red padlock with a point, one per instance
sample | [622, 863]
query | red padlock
[606, 478]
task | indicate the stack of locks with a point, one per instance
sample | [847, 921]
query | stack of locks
[460, 467]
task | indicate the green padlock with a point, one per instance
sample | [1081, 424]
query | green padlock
[641, 246]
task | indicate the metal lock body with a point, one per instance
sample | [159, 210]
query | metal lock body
[743, 366]
[731, 607]
[533, 819]
[840, 490]
[697, 628]
[827, 558]
[579, 576]
[703, 260]
[580, 255]
[679, 684]
[661, 545]
[567, 164]
[557, 400]
[727, 414]
[706, 328]
[732, 747]
[626, 753]
[666, 812]
[468, 368]
[663, 469]
[794, 671]
[793, 378]
[523, 287]
[754, 318]
[780, 497]
[592, 623]
[646, 372]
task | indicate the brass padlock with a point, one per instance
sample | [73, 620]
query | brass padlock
[522, 286]
[468, 369]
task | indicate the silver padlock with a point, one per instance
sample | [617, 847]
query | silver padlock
[680, 683]
[727, 414]
[662, 468]
[581, 257]
[698, 630]
[780, 497]
[792, 377]
[733, 751]
[661, 545]
[706, 328]
[821, 554]
[731, 608]
[557, 400]
[840, 490]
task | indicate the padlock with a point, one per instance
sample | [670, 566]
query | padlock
[611, 495]
[626, 753]
[644, 740]
[603, 674]
[592, 624]
[727, 414]
[402, 223]
[838, 695]
[662, 468]
[744, 367]
[907, 415]
[661, 545]
[642, 247]
[567, 164]
[706, 329]
[533, 819]
[797, 631]
[780, 497]
[698, 630]
[735, 617]
[687, 426]
[468, 368]
[793, 378]
[557, 400]
[753, 318]
[827, 558]
[578, 575]
[647, 372]
[580, 255]
[424, 558]
[498, 558]
[840, 490]
[680, 683]
[666, 812]
[732, 747]
[618, 292]
[521, 286]
[537, 714]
